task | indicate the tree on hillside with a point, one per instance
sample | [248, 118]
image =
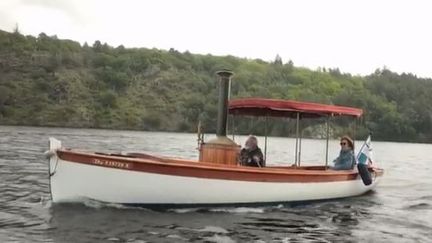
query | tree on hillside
[278, 60]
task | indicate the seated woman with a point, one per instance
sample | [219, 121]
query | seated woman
[251, 154]
[346, 158]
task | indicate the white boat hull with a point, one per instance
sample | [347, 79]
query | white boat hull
[75, 182]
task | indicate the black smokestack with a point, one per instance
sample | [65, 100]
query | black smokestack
[224, 84]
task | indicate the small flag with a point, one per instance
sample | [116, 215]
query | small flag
[364, 156]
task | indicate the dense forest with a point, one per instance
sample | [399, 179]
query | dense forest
[45, 81]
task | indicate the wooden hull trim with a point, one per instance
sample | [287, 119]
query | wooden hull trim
[177, 167]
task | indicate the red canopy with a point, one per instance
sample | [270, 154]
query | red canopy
[287, 108]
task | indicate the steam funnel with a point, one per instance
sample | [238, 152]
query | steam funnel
[224, 84]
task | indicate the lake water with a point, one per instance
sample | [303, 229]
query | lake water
[398, 210]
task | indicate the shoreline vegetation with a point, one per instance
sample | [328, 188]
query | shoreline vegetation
[49, 82]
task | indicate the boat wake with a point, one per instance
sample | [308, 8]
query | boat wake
[236, 210]
[99, 205]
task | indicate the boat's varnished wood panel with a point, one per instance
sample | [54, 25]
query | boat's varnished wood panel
[208, 170]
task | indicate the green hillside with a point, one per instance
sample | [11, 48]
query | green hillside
[45, 81]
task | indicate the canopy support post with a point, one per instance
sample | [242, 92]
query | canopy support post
[300, 143]
[297, 140]
[327, 140]
[265, 139]
[355, 133]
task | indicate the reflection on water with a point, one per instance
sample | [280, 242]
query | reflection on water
[400, 210]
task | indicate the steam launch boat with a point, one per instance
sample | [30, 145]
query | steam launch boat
[217, 178]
